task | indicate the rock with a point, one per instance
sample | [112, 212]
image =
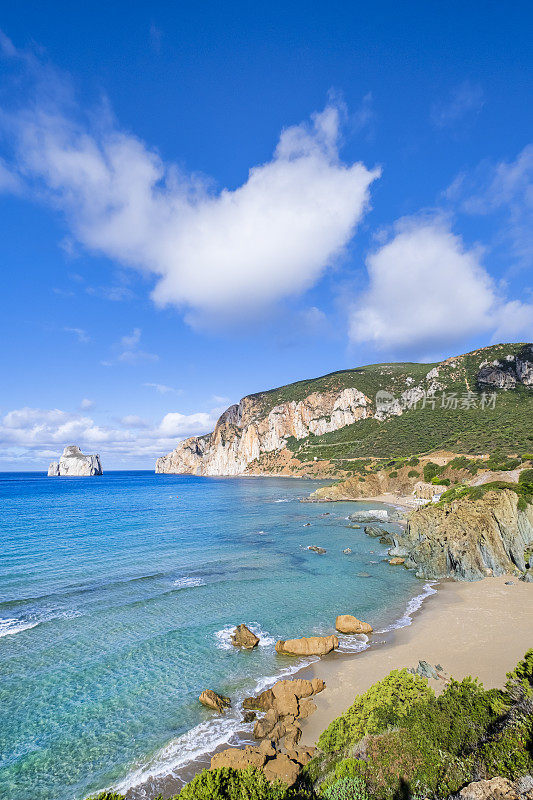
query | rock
[396, 561]
[495, 789]
[509, 583]
[301, 755]
[346, 623]
[215, 701]
[292, 737]
[318, 685]
[307, 524]
[286, 703]
[308, 646]
[373, 515]
[262, 702]
[316, 549]
[282, 728]
[243, 637]
[267, 748]
[354, 527]
[363, 575]
[263, 727]
[238, 759]
[249, 716]
[347, 551]
[282, 768]
[373, 530]
[465, 538]
[74, 463]
[306, 708]
[426, 670]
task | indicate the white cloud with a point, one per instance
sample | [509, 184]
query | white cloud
[428, 292]
[86, 403]
[217, 254]
[465, 101]
[129, 351]
[81, 335]
[34, 435]
[162, 388]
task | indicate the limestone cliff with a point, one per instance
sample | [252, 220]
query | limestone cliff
[468, 539]
[247, 430]
[74, 463]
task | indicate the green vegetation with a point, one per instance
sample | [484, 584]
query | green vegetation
[231, 784]
[431, 470]
[413, 473]
[347, 789]
[524, 490]
[399, 740]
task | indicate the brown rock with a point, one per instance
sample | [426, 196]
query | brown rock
[308, 646]
[249, 716]
[285, 700]
[282, 769]
[495, 789]
[346, 623]
[263, 727]
[306, 708]
[262, 702]
[267, 748]
[318, 685]
[292, 737]
[238, 759]
[215, 701]
[243, 637]
[396, 561]
[301, 755]
[281, 728]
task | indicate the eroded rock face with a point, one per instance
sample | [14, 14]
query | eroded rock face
[245, 431]
[346, 623]
[469, 539]
[308, 646]
[239, 759]
[505, 373]
[282, 768]
[244, 637]
[74, 463]
[494, 789]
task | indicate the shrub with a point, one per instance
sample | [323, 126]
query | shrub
[347, 789]
[413, 473]
[108, 796]
[231, 784]
[526, 476]
[431, 470]
[527, 457]
[414, 461]
[393, 474]
[441, 481]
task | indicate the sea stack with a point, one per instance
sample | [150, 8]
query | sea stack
[75, 464]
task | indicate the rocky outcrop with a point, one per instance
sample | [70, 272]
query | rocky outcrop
[244, 637]
[469, 539]
[308, 646]
[506, 372]
[498, 789]
[346, 623]
[248, 429]
[215, 701]
[74, 463]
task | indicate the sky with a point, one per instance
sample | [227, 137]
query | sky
[202, 201]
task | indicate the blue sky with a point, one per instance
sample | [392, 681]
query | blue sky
[200, 201]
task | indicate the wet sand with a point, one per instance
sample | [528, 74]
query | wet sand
[481, 629]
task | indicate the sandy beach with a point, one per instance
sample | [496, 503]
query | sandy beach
[480, 629]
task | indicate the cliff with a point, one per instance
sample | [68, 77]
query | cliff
[468, 539]
[74, 463]
[319, 426]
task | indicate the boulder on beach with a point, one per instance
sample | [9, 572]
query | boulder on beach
[308, 646]
[249, 716]
[346, 623]
[302, 755]
[239, 759]
[396, 561]
[262, 702]
[244, 637]
[306, 708]
[264, 726]
[215, 701]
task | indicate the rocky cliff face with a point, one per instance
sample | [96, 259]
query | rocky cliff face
[507, 372]
[245, 431]
[468, 539]
[75, 464]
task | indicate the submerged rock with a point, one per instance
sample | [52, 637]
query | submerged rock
[347, 551]
[308, 646]
[215, 701]
[316, 549]
[74, 463]
[346, 623]
[244, 637]
[373, 530]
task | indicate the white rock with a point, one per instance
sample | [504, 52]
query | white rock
[74, 463]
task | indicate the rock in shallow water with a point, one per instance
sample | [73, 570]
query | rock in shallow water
[215, 701]
[243, 637]
[308, 646]
[346, 623]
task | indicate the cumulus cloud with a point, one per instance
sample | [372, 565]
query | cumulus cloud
[162, 388]
[86, 403]
[33, 435]
[214, 253]
[428, 292]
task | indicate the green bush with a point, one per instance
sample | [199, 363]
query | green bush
[414, 461]
[108, 796]
[441, 481]
[393, 474]
[347, 789]
[231, 784]
[413, 473]
[526, 476]
[431, 470]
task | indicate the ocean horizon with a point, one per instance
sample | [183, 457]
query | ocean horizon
[118, 595]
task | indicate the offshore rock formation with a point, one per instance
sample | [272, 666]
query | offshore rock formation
[245, 431]
[75, 464]
[468, 539]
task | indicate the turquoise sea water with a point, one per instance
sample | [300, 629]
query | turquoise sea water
[117, 595]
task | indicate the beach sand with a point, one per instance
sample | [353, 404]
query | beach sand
[481, 629]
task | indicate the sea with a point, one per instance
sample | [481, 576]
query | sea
[118, 595]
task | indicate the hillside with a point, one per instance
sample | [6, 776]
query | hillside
[474, 403]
